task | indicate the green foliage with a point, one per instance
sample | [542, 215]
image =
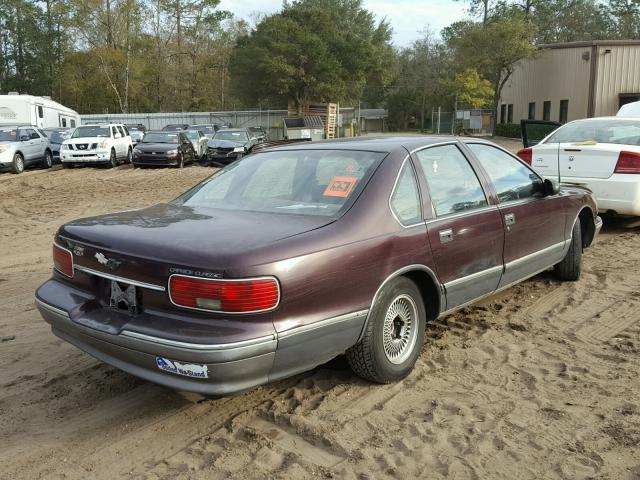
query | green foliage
[472, 90]
[314, 50]
[511, 130]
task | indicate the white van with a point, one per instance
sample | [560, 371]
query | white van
[629, 110]
[39, 111]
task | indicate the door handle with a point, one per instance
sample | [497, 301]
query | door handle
[510, 219]
[572, 150]
[446, 235]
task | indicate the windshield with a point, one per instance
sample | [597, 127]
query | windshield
[231, 135]
[57, 136]
[303, 182]
[624, 132]
[160, 137]
[8, 135]
[95, 131]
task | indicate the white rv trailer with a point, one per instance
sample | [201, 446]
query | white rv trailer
[42, 112]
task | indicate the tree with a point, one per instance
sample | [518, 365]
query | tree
[314, 50]
[493, 49]
[472, 90]
[626, 18]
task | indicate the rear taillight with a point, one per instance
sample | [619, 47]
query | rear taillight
[62, 260]
[525, 154]
[228, 296]
[628, 162]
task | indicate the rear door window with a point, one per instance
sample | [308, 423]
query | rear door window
[453, 184]
[33, 134]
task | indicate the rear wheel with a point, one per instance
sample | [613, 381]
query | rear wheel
[571, 265]
[393, 336]
[47, 161]
[181, 160]
[18, 163]
[129, 157]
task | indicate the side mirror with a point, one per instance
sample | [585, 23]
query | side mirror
[550, 187]
[117, 135]
[24, 138]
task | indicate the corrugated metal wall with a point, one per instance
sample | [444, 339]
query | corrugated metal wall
[618, 72]
[553, 75]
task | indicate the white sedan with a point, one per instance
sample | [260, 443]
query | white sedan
[199, 142]
[600, 153]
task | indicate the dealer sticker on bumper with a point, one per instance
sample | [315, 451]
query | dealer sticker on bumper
[184, 369]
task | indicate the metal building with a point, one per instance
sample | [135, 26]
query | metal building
[567, 81]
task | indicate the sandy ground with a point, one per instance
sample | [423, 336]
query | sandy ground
[541, 381]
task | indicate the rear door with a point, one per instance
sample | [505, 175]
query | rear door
[534, 224]
[465, 232]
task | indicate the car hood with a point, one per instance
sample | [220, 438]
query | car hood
[187, 236]
[157, 147]
[213, 143]
[75, 141]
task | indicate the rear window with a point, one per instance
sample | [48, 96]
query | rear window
[624, 132]
[83, 132]
[160, 138]
[303, 182]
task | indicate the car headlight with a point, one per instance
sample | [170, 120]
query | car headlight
[136, 151]
[172, 152]
[103, 144]
[64, 146]
[238, 150]
[4, 148]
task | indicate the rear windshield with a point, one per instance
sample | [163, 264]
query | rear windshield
[192, 135]
[231, 135]
[82, 132]
[8, 134]
[303, 182]
[625, 132]
[160, 138]
[204, 128]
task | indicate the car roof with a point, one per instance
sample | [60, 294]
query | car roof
[379, 144]
[233, 130]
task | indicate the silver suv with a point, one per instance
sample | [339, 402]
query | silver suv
[22, 145]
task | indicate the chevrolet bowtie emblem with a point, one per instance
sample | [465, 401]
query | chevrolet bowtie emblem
[110, 263]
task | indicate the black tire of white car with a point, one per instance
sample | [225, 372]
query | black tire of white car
[47, 161]
[113, 161]
[369, 358]
[18, 163]
[129, 157]
[570, 267]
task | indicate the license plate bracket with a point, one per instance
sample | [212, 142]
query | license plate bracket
[123, 297]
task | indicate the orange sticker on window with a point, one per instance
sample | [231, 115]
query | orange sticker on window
[340, 186]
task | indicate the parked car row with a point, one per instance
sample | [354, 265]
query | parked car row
[113, 143]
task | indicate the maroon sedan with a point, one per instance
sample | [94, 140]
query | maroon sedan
[297, 254]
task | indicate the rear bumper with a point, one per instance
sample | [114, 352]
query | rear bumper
[230, 367]
[620, 193]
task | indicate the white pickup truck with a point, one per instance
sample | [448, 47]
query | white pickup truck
[108, 144]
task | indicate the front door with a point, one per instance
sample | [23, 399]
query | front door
[465, 234]
[534, 228]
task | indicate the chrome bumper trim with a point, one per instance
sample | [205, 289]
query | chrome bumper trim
[200, 346]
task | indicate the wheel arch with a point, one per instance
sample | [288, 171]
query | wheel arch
[426, 281]
[587, 225]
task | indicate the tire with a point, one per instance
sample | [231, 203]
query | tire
[18, 164]
[569, 268]
[181, 161]
[394, 334]
[129, 159]
[47, 161]
[113, 161]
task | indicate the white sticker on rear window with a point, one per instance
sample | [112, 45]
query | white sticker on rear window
[184, 369]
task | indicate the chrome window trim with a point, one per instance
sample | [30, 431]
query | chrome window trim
[117, 278]
[393, 190]
[474, 276]
[265, 277]
[200, 346]
[464, 214]
[51, 308]
[322, 323]
[73, 263]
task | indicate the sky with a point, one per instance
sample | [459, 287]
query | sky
[407, 17]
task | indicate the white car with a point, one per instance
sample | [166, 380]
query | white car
[23, 145]
[107, 144]
[601, 153]
[199, 142]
